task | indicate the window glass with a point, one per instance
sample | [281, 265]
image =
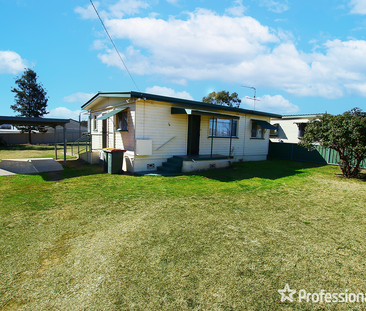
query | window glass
[301, 127]
[223, 127]
[274, 133]
[95, 127]
[122, 121]
[257, 131]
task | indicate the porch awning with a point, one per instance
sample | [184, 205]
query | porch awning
[109, 114]
[177, 110]
[265, 124]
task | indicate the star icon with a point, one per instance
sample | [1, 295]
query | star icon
[286, 293]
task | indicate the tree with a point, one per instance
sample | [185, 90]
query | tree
[344, 133]
[30, 100]
[222, 98]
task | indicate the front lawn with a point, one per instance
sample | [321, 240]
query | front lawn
[218, 240]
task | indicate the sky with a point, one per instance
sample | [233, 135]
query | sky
[303, 57]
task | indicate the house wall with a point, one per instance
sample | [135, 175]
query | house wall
[150, 120]
[115, 139]
[155, 122]
[288, 130]
[255, 149]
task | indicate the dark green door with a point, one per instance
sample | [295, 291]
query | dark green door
[104, 134]
[194, 126]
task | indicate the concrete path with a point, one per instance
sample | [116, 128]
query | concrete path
[28, 166]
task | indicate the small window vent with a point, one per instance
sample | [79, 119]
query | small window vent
[212, 166]
[151, 166]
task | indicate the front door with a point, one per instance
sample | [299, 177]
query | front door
[104, 134]
[194, 126]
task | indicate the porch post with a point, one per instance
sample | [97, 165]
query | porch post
[55, 139]
[212, 134]
[190, 138]
[64, 126]
[231, 136]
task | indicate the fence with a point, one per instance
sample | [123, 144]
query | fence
[295, 152]
[38, 138]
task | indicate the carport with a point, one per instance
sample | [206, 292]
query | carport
[40, 122]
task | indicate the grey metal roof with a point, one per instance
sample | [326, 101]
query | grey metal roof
[32, 121]
[184, 102]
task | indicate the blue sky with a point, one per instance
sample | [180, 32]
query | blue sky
[302, 56]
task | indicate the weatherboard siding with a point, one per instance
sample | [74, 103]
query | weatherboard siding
[255, 149]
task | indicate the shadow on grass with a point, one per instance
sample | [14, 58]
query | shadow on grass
[74, 168]
[271, 169]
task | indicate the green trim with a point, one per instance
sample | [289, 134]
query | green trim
[264, 124]
[109, 114]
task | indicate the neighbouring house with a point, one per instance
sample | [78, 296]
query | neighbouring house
[290, 127]
[172, 134]
[11, 135]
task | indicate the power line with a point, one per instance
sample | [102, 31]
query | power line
[105, 28]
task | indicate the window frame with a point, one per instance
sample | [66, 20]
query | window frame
[213, 124]
[258, 129]
[274, 133]
[95, 123]
[122, 121]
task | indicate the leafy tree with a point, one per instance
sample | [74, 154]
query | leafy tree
[345, 133]
[30, 100]
[222, 98]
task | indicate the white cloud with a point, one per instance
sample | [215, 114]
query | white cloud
[99, 45]
[78, 97]
[88, 12]
[276, 104]
[11, 62]
[274, 6]
[164, 91]
[117, 10]
[358, 6]
[208, 46]
[237, 9]
[128, 7]
[63, 113]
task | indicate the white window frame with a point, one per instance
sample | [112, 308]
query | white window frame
[213, 124]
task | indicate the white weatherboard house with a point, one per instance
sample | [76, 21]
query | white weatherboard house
[175, 135]
[290, 128]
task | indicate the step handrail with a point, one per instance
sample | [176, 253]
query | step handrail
[165, 143]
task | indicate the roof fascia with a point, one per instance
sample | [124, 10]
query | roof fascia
[95, 99]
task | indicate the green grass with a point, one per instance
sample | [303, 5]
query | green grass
[36, 151]
[217, 240]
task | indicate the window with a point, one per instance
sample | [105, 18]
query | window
[301, 127]
[257, 131]
[274, 132]
[95, 127]
[122, 121]
[223, 128]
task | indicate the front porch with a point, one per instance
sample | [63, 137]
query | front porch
[178, 165]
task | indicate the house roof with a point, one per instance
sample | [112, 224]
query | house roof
[179, 101]
[301, 116]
